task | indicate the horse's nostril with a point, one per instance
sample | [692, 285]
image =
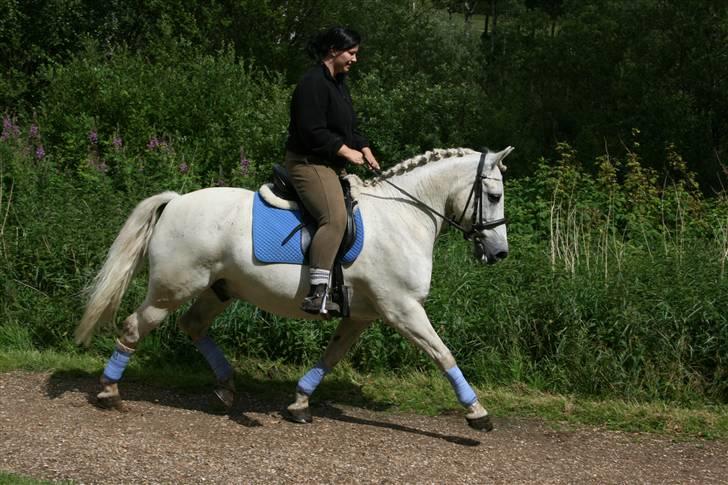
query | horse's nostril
[501, 255]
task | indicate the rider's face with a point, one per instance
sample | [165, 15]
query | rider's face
[343, 60]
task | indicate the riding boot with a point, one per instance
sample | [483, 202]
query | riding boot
[319, 301]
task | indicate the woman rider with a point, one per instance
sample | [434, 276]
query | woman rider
[322, 139]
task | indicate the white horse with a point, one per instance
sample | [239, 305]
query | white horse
[199, 246]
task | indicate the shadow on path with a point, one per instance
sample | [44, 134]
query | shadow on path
[273, 401]
[332, 412]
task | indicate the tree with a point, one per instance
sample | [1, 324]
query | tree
[554, 9]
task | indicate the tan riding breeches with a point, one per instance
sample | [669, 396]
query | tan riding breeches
[320, 191]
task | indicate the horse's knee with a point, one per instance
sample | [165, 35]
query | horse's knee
[410, 320]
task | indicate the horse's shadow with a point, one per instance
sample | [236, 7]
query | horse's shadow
[277, 394]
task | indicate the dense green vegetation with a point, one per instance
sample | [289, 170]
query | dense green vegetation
[616, 284]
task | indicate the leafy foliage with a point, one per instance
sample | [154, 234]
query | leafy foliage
[617, 275]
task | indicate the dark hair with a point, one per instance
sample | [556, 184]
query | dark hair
[337, 38]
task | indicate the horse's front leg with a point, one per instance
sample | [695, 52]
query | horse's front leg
[344, 337]
[410, 319]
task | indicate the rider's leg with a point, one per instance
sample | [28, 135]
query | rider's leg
[320, 191]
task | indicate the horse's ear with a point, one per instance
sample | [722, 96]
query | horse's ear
[500, 156]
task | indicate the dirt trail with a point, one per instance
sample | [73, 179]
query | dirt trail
[49, 430]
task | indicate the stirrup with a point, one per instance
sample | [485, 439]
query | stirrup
[318, 302]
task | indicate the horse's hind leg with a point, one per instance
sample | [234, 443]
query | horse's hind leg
[136, 326]
[344, 337]
[195, 323]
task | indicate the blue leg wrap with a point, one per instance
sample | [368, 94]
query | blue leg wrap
[310, 381]
[115, 366]
[465, 393]
[214, 356]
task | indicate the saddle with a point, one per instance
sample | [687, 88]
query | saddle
[283, 188]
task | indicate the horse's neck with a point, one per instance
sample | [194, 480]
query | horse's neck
[431, 184]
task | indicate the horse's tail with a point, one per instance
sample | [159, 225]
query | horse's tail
[125, 255]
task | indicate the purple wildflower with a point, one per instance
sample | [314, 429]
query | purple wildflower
[153, 143]
[117, 142]
[244, 163]
[39, 152]
[7, 128]
[183, 168]
[93, 137]
[34, 131]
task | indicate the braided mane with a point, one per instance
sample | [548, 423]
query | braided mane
[357, 184]
[419, 160]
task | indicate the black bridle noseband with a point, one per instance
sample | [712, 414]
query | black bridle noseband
[476, 195]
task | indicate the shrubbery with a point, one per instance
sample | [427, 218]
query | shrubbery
[616, 283]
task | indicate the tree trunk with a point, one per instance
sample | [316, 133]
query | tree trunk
[469, 10]
[494, 13]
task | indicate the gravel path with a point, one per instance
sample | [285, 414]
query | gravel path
[49, 430]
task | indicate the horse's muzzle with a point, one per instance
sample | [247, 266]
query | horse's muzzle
[484, 256]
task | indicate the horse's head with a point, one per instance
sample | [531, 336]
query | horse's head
[481, 205]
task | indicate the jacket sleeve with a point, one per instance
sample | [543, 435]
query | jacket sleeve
[308, 110]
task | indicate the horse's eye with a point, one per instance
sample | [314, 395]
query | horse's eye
[494, 198]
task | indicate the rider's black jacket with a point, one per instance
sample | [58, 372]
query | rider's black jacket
[323, 117]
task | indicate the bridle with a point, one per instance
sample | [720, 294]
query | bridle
[479, 223]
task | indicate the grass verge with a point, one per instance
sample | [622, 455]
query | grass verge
[417, 392]
[14, 479]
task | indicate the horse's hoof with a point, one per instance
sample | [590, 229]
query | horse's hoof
[111, 402]
[300, 416]
[482, 423]
[226, 397]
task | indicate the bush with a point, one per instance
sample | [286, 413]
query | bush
[224, 119]
[614, 285]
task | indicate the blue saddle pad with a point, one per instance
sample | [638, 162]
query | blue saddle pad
[271, 227]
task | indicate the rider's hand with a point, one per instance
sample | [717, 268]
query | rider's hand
[369, 157]
[354, 156]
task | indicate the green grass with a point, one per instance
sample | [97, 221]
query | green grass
[14, 479]
[416, 392]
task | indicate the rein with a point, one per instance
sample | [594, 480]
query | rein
[478, 223]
